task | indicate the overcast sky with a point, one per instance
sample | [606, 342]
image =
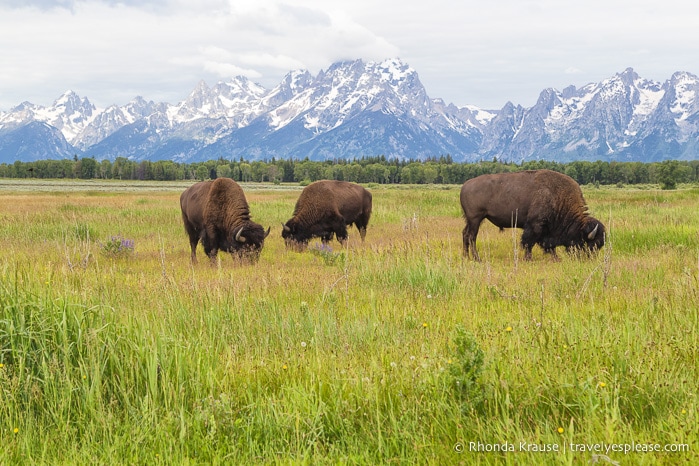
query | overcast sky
[482, 53]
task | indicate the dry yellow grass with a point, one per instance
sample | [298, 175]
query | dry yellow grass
[345, 355]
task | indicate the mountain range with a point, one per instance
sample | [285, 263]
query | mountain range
[355, 109]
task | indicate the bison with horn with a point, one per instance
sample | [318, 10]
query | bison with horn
[325, 208]
[549, 207]
[217, 214]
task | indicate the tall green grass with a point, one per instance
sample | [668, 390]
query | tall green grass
[395, 350]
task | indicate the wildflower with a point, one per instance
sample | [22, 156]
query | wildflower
[684, 411]
[303, 344]
[118, 246]
[602, 384]
[285, 367]
[16, 430]
[1, 365]
[508, 329]
[560, 430]
[424, 325]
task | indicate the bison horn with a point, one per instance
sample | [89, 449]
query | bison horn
[593, 233]
[267, 232]
[239, 236]
[286, 227]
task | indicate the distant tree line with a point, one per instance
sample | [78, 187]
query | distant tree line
[441, 170]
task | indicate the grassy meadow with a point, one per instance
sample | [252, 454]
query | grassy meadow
[114, 349]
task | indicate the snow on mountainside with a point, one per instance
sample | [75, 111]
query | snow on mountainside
[357, 108]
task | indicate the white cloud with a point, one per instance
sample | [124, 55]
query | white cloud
[469, 52]
[226, 70]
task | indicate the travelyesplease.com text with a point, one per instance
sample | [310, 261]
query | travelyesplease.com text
[598, 447]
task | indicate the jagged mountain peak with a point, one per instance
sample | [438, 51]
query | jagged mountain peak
[548, 99]
[628, 76]
[296, 80]
[683, 93]
[356, 108]
[240, 85]
[224, 100]
[348, 88]
[294, 83]
[69, 97]
[70, 103]
[395, 70]
[683, 77]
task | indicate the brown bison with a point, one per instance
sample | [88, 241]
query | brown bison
[547, 205]
[325, 208]
[217, 214]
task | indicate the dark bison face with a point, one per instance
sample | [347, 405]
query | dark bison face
[294, 238]
[591, 238]
[246, 242]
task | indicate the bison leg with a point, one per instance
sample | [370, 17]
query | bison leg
[469, 237]
[193, 241]
[528, 241]
[361, 224]
[527, 251]
[362, 233]
[340, 230]
[550, 248]
[470, 234]
[554, 256]
[213, 254]
[193, 246]
[193, 235]
[210, 247]
[466, 240]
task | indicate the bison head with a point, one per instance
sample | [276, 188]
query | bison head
[295, 238]
[247, 241]
[591, 237]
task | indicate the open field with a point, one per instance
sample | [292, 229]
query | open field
[390, 351]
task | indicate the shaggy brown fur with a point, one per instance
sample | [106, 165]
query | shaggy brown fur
[549, 207]
[217, 214]
[325, 208]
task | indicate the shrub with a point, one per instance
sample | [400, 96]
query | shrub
[465, 372]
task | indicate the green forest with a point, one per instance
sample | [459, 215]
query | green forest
[442, 170]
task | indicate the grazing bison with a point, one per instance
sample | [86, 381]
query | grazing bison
[325, 208]
[217, 214]
[547, 205]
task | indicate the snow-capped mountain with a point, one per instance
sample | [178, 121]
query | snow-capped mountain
[356, 109]
[622, 118]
